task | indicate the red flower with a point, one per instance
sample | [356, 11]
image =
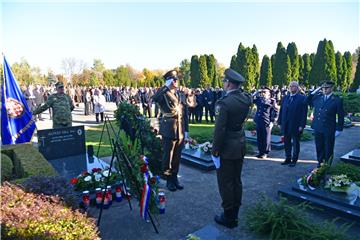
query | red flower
[144, 168]
[85, 173]
[282, 139]
[74, 181]
[153, 180]
[96, 170]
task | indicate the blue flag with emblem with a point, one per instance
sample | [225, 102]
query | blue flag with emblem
[17, 124]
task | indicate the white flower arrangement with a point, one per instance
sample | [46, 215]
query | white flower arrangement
[206, 147]
[338, 183]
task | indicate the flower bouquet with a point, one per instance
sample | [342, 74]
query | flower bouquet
[314, 178]
[190, 143]
[94, 179]
[338, 183]
[206, 147]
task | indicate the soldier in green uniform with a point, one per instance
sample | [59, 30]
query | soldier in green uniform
[61, 105]
[229, 145]
[172, 128]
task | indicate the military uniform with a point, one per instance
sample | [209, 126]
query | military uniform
[229, 144]
[172, 129]
[325, 124]
[61, 105]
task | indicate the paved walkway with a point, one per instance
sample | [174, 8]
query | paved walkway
[194, 207]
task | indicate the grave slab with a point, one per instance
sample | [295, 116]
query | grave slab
[352, 157]
[198, 159]
[276, 142]
[211, 232]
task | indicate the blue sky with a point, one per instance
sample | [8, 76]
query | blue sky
[160, 35]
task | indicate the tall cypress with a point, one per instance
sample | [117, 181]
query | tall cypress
[282, 67]
[324, 67]
[233, 64]
[292, 52]
[204, 80]
[306, 69]
[211, 71]
[265, 72]
[255, 65]
[194, 72]
[348, 60]
[356, 83]
[301, 69]
[339, 69]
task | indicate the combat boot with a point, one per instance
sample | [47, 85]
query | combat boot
[170, 184]
[177, 184]
[227, 219]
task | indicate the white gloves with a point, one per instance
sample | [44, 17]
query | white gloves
[315, 91]
[337, 133]
[216, 161]
[168, 82]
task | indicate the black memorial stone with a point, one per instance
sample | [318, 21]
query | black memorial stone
[343, 204]
[211, 232]
[197, 158]
[72, 166]
[62, 142]
[352, 157]
[276, 142]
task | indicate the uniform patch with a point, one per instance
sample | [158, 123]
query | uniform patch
[217, 110]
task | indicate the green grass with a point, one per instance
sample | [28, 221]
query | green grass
[202, 132]
[93, 135]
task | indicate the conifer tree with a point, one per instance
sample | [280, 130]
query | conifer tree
[194, 72]
[292, 52]
[265, 72]
[204, 80]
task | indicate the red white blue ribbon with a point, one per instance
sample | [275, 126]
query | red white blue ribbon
[145, 196]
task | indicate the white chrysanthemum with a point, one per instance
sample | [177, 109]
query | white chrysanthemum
[97, 177]
[87, 178]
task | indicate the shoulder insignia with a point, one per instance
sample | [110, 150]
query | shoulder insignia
[217, 109]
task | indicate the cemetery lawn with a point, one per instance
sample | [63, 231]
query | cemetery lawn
[93, 135]
[202, 132]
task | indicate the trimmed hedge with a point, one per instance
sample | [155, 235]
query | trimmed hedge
[40, 217]
[6, 168]
[27, 161]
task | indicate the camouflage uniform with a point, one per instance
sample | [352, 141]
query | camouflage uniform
[62, 106]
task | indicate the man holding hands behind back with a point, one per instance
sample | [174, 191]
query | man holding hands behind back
[172, 128]
[229, 145]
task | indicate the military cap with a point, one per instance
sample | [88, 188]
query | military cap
[171, 74]
[327, 84]
[233, 76]
[59, 85]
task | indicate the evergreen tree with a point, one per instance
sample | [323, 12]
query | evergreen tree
[233, 64]
[245, 65]
[306, 69]
[194, 72]
[348, 60]
[301, 69]
[292, 52]
[256, 65]
[344, 80]
[282, 67]
[204, 80]
[356, 83]
[272, 60]
[324, 67]
[265, 72]
[339, 69]
[211, 70]
[184, 73]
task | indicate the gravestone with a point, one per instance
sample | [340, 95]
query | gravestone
[276, 141]
[197, 158]
[352, 157]
[65, 150]
[62, 142]
[340, 204]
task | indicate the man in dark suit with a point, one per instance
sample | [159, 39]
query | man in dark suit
[229, 146]
[172, 128]
[292, 120]
[209, 100]
[200, 106]
[326, 107]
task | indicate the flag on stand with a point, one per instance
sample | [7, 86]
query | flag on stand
[17, 124]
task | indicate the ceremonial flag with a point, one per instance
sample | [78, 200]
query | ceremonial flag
[17, 125]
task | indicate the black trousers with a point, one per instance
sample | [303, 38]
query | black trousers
[229, 182]
[324, 146]
[171, 155]
[261, 137]
[97, 116]
[209, 110]
[199, 114]
[292, 142]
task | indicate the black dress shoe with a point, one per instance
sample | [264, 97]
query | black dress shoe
[171, 186]
[293, 164]
[229, 223]
[286, 162]
[261, 155]
[177, 184]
